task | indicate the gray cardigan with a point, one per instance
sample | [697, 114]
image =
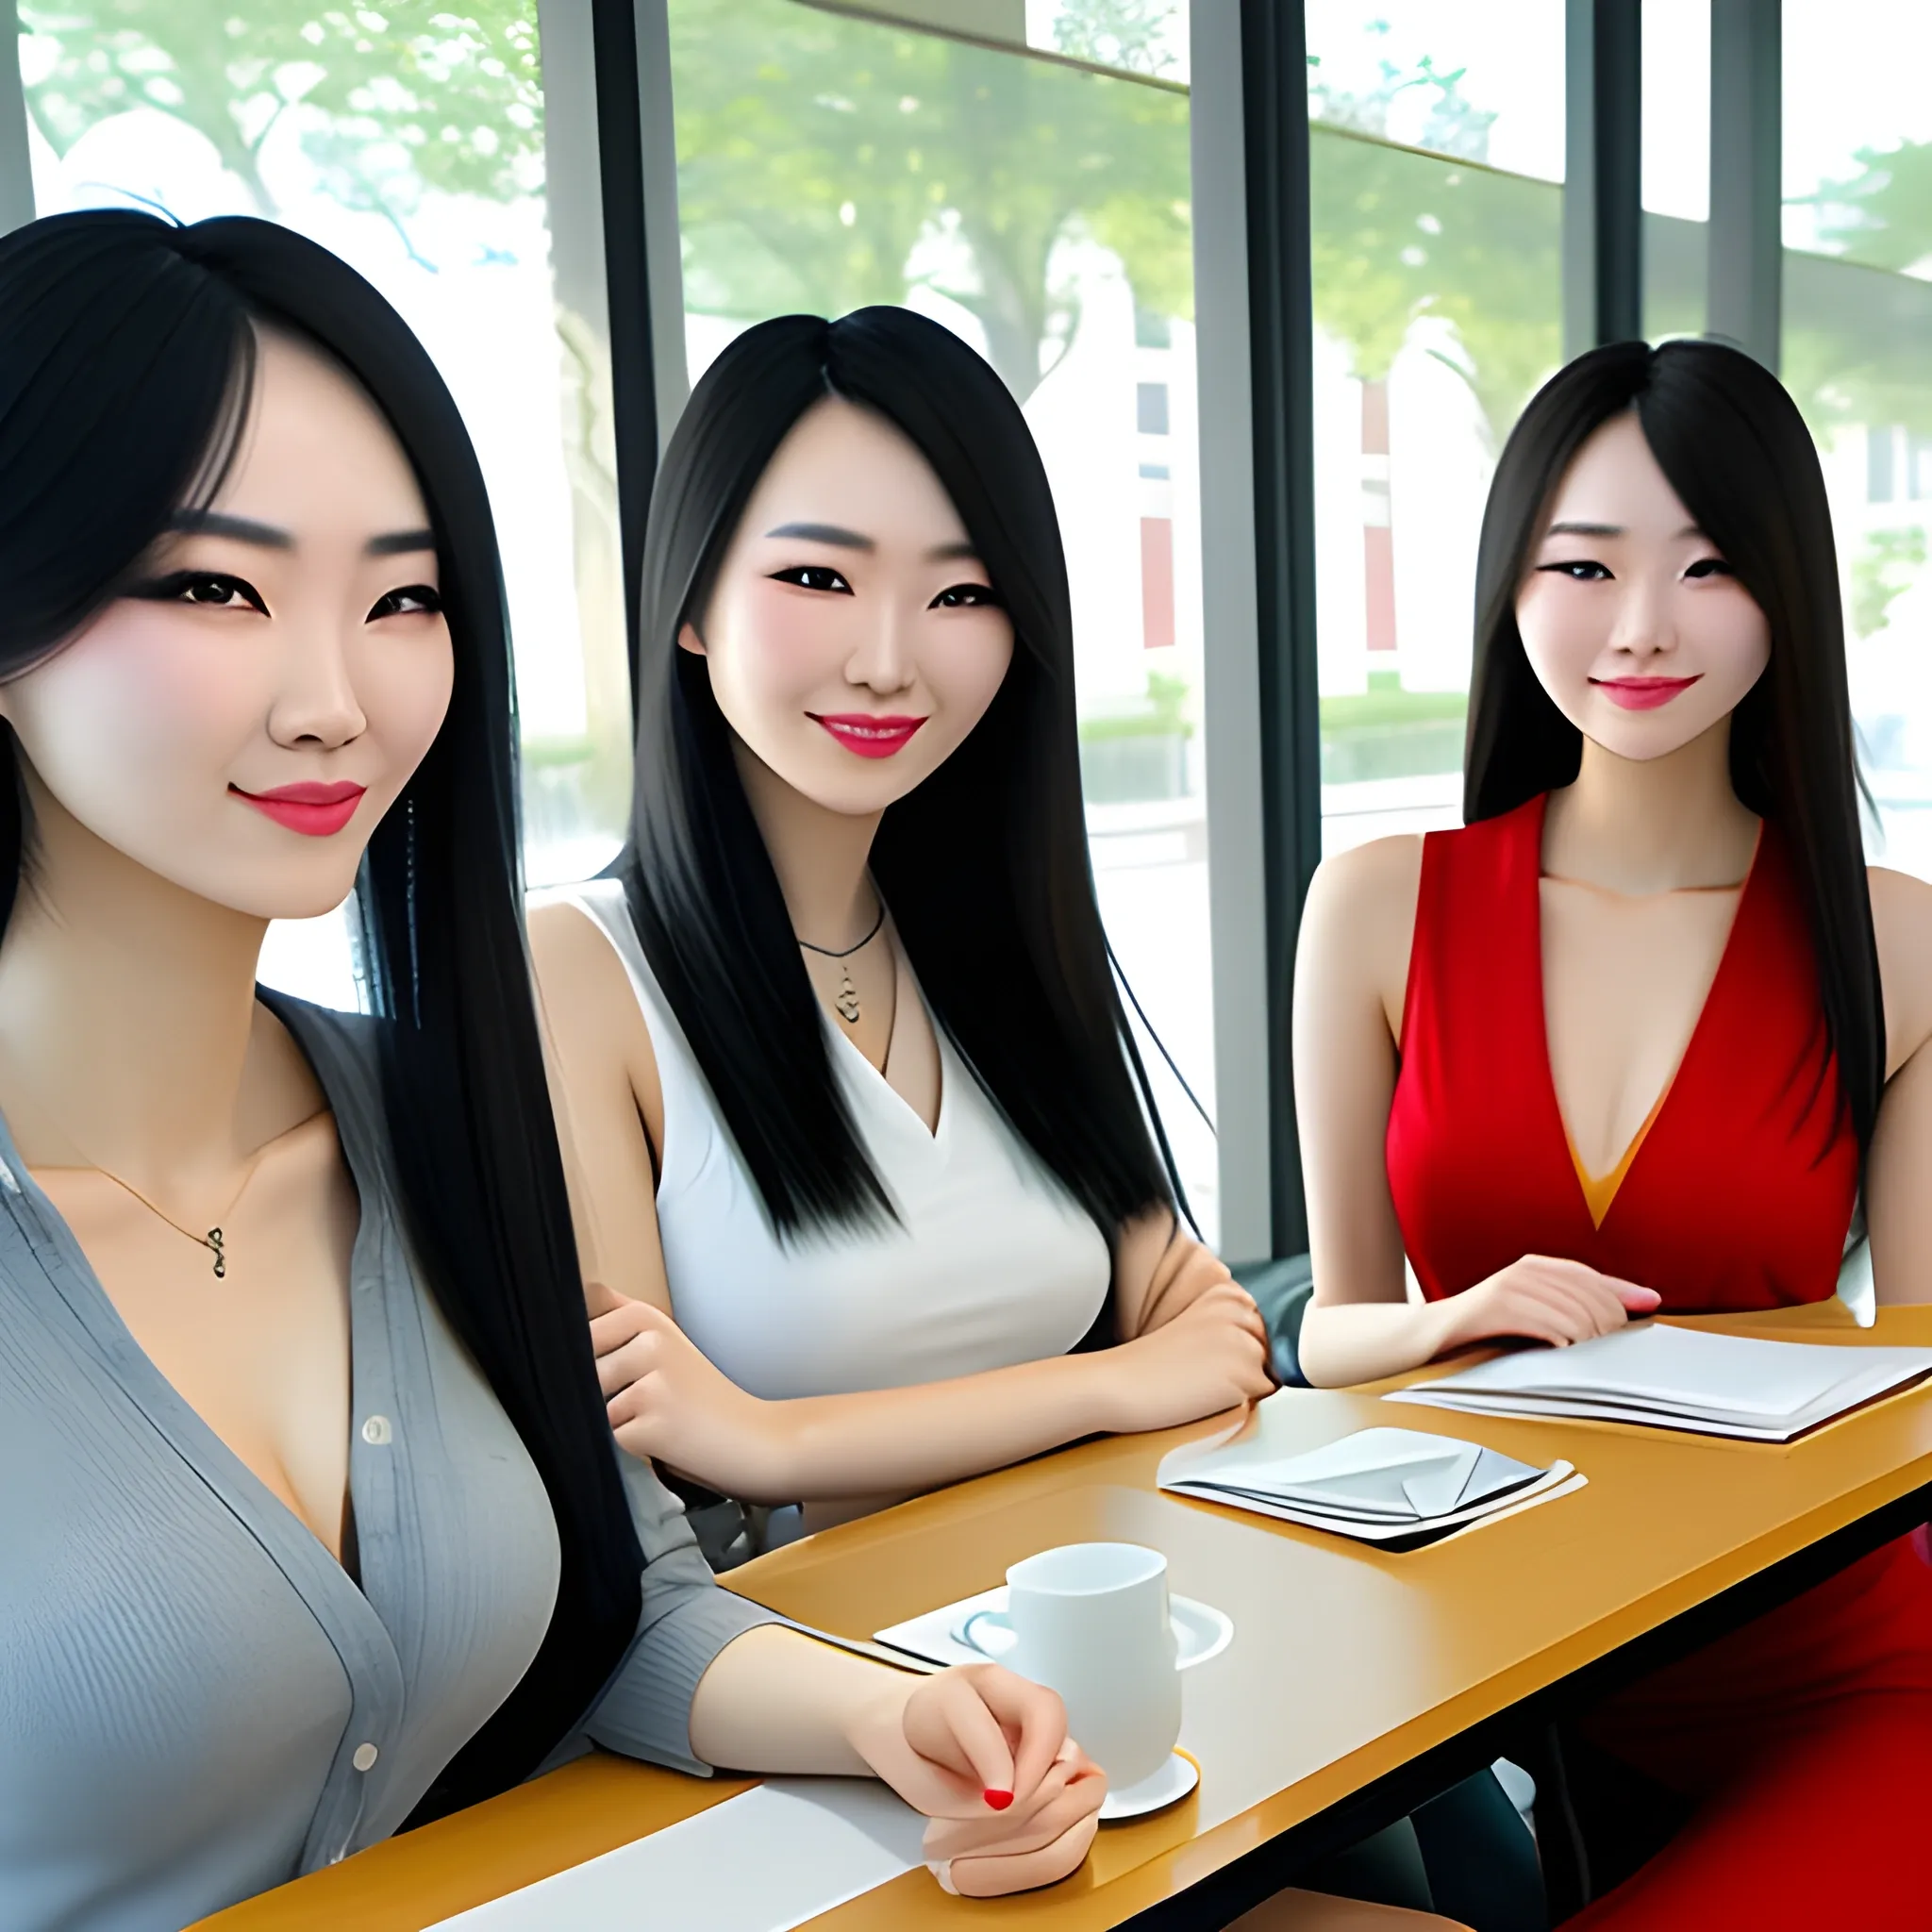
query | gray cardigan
[195, 1701]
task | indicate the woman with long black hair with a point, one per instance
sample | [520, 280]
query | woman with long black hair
[312, 1521]
[1618, 1045]
[861, 1144]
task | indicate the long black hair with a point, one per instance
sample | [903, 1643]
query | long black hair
[984, 865]
[1733, 446]
[126, 358]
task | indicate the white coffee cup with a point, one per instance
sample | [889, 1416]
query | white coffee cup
[1095, 1622]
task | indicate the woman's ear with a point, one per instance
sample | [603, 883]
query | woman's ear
[688, 640]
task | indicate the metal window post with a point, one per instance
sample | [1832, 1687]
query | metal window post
[1745, 260]
[16, 166]
[1255, 338]
[1602, 178]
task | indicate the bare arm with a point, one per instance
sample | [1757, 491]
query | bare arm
[775, 1700]
[1898, 1175]
[1351, 966]
[1195, 1344]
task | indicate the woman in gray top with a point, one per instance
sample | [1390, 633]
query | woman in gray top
[311, 1519]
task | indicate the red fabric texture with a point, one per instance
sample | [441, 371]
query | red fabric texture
[1741, 1195]
[1807, 1736]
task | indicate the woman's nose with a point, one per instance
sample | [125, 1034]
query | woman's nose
[317, 704]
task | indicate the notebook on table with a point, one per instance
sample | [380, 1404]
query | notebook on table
[1660, 1377]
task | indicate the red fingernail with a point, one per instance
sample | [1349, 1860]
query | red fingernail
[998, 1800]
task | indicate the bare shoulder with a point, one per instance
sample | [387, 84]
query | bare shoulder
[1362, 913]
[1379, 877]
[1902, 926]
[1901, 905]
[584, 994]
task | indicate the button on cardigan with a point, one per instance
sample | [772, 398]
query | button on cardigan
[196, 1702]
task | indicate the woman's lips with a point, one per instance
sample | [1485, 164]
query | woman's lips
[868, 736]
[1642, 693]
[315, 810]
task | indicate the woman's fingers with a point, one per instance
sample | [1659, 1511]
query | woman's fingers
[949, 1725]
[1032, 1719]
[1058, 1839]
[1072, 1789]
[624, 1366]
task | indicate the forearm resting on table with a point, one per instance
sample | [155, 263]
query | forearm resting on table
[903, 1440]
[775, 1700]
[1345, 1343]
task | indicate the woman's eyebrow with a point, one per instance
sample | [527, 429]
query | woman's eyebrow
[1583, 529]
[949, 553]
[400, 543]
[211, 522]
[824, 533]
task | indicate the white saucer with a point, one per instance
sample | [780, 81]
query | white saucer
[1168, 1786]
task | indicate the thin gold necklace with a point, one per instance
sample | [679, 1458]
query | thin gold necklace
[214, 1241]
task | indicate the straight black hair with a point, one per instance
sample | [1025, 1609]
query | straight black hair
[126, 362]
[1733, 446]
[985, 865]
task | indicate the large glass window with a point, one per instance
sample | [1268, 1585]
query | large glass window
[1436, 159]
[1035, 200]
[410, 141]
[1675, 95]
[1857, 321]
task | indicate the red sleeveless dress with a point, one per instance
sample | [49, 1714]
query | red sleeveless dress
[1807, 1736]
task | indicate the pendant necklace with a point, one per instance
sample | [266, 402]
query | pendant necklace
[214, 1241]
[847, 1001]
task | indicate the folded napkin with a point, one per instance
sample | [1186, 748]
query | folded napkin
[1391, 1487]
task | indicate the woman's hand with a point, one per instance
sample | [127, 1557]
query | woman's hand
[667, 1402]
[1212, 1355]
[985, 1754]
[1545, 1300]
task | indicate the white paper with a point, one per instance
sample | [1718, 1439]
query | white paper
[1379, 1485]
[1667, 1377]
[1392, 1474]
[764, 1861]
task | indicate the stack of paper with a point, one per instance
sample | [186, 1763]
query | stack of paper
[1390, 1487]
[1681, 1379]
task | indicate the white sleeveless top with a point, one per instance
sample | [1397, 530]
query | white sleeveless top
[989, 1263]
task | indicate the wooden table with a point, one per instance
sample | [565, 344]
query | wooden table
[1359, 1682]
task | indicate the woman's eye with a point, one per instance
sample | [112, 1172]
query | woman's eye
[211, 589]
[1710, 567]
[1579, 570]
[812, 576]
[411, 599]
[964, 596]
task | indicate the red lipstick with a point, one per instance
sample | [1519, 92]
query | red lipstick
[1642, 693]
[868, 736]
[316, 810]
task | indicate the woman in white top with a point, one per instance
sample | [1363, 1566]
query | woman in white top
[858, 1141]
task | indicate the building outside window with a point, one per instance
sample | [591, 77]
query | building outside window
[1435, 163]
[1857, 321]
[1033, 196]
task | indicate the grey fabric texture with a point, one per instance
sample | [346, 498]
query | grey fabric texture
[196, 1702]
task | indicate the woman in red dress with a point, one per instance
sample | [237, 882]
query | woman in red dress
[1617, 1046]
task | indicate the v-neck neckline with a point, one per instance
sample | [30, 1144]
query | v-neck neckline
[290, 1539]
[1599, 1193]
[933, 1136]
